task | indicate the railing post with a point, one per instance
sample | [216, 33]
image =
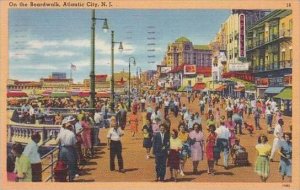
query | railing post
[52, 169]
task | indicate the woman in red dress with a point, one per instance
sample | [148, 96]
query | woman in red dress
[86, 136]
[210, 143]
[133, 122]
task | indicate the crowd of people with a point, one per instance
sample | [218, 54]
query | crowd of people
[224, 118]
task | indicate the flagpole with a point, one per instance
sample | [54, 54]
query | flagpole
[71, 71]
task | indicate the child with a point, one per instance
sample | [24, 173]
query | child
[249, 127]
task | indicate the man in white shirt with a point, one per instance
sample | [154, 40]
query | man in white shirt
[278, 136]
[114, 142]
[67, 141]
[31, 151]
[143, 104]
[166, 107]
[98, 118]
[223, 135]
[229, 110]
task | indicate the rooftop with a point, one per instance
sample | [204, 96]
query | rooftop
[182, 39]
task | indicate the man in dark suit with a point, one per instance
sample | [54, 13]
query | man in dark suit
[161, 144]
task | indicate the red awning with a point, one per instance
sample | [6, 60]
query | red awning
[199, 86]
[103, 95]
[206, 71]
[16, 94]
[221, 88]
[84, 94]
[177, 69]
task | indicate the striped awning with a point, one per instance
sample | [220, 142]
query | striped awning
[274, 90]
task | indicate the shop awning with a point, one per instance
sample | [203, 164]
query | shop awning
[286, 94]
[199, 86]
[239, 89]
[182, 88]
[16, 94]
[220, 88]
[84, 94]
[103, 95]
[274, 90]
[59, 95]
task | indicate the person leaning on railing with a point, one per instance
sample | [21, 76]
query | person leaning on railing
[67, 140]
[31, 151]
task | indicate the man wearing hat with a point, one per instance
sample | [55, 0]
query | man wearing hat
[67, 141]
[31, 151]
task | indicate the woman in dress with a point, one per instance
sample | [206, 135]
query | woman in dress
[230, 125]
[286, 157]
[174, 160]
[86, 136]
[210, 143]
[197, 146]
[148, 133]
[133, 122]
[210, 121]
[262, 165]
[183, 135]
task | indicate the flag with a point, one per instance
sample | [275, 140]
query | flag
[73, 67]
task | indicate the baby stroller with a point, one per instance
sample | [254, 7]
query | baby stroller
[239, 154]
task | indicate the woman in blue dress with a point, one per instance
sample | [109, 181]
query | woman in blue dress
[286, 157]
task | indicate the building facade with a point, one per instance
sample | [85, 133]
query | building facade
[270, 52]
[182, 51]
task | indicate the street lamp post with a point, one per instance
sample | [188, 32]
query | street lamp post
[139, 71]
[112, 96]
[129, 90]
[92, 74]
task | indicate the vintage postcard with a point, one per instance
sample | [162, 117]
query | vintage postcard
[150, 94]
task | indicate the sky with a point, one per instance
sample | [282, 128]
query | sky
[46, 41]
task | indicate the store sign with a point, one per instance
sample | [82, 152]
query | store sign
[189, 69]
[276, 82]
[238, 66]
[262, 82]
[287, 80]
[165, 69]
[242, 44]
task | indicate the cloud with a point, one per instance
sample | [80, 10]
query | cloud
[38, 44]
[21, 54]
[106, 62]
[58, 53]
[37, 66]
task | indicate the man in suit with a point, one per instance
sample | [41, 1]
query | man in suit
[161, 146]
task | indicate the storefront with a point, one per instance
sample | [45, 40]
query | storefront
[285, 98]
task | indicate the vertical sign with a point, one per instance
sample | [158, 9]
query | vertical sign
[242, 36]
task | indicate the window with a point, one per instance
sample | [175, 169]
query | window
[283, 56]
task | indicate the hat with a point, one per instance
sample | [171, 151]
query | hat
[68, 119]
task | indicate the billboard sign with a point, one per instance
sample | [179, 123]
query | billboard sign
[165, 69]
[242, 33]
[189, 69]
[238, 66]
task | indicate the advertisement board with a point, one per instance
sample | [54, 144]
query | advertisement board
[238, 66]
[242, 35]
[189, 69]
[165, 69]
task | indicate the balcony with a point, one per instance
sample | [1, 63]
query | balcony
[286, 64]
[273, 66]
[285, 34]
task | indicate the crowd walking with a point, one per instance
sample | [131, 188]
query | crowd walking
[209, 133]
